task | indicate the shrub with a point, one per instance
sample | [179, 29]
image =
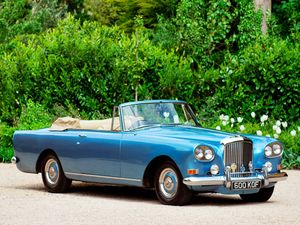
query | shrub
[207, 30]
[288, 134]
[263, 78]
[33, 116]
[90, 67]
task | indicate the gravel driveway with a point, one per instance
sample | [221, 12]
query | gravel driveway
[23, 200]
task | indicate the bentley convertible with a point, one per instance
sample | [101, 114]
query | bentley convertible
[154, 144]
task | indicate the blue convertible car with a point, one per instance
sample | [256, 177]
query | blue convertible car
[155, 144]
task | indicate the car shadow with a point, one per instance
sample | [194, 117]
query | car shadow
[216, 199]
[137, 194]
[113, 192]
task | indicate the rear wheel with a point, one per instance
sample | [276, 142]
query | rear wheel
[263, 195]
[53, 176]
[169, 187]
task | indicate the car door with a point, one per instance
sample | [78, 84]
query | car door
[94, 153]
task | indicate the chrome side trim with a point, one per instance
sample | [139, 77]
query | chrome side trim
[102, 177]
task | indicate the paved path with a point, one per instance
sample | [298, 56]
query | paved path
[23, 201]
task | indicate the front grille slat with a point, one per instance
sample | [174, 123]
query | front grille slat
[240, 153]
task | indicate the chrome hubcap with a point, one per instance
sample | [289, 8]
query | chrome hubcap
[168, 183]
[52, 171]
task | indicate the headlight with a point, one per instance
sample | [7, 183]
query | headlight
[208, 154]
[277, 149]
[204, 153]
[273, 150]
[268, 151]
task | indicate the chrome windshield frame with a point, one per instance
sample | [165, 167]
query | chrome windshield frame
[187, 107]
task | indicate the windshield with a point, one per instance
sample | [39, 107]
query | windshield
[151, 114]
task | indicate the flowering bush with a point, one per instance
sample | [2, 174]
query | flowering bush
[288, 134]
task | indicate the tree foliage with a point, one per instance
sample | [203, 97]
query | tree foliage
[209, 53]
[28, 17]
[287, 15]
[89, 66]
[206, 30]
[124, 12]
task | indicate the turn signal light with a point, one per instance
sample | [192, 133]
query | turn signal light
[192, 171]
[279, 167]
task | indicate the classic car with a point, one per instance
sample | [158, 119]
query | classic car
[153, 144]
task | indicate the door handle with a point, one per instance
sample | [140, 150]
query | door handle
[82, 135]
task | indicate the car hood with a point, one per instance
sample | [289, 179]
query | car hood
[197, 134]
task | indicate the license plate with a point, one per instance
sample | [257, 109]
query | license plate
[242, 185]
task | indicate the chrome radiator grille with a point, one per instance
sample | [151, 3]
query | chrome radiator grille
[239, 153]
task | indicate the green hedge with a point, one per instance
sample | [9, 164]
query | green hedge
[36, 116]
[264, 78]
[83, 69]
[89, 67]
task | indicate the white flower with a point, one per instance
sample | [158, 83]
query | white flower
[166, 114]
[259, 133]
[232, 125]
[221, 117]
[226, 118]
[299, 129]
[276, 136]
[253, 114]
[239, 119]
[232, 120]
[268, 135]
[278, 123]
[242, 127]
[278, 130]
[275, 127]
[224, 123]
[293, 133]
[263, 118]
[284, 124]
[218, 128]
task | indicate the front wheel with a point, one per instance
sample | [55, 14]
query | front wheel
[53, 176]
[263, 195]
[169, 187]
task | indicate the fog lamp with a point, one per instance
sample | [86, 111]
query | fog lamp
[269, 166]
[214, 169]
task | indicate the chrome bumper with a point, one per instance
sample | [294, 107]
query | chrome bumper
[227, 179]
[14, 160]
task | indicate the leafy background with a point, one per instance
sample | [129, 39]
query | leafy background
[82, 57]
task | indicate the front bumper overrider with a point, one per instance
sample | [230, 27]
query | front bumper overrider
[228, 178]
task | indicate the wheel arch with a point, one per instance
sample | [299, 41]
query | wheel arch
[148, 178]
[41, 157]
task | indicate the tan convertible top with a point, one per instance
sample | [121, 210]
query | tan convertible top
[64, 123]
